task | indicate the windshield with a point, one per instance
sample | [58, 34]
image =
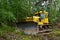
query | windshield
[42, 16]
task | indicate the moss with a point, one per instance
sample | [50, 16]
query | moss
[56, 32]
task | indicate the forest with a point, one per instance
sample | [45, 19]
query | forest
[13, 11]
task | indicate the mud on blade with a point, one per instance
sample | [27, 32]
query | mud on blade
[28, 27]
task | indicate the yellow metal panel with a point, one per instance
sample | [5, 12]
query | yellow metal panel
[42, 20]
[40, 23]
[29, 19]
[46, 20]
[35, 18]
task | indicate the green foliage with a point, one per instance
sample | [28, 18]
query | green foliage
[19, 9]
[7, 16]
[5, 28]
[54, 11]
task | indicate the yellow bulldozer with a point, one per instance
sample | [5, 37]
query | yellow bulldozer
[39, 23]
[41, 19]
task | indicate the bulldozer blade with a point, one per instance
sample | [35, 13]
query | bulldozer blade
[28, 27]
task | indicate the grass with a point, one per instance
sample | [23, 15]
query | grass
[56, 32]
[4, 28]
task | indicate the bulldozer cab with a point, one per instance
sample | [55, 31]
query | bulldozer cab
[32, 25]
[43, 16]
[40, 14]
